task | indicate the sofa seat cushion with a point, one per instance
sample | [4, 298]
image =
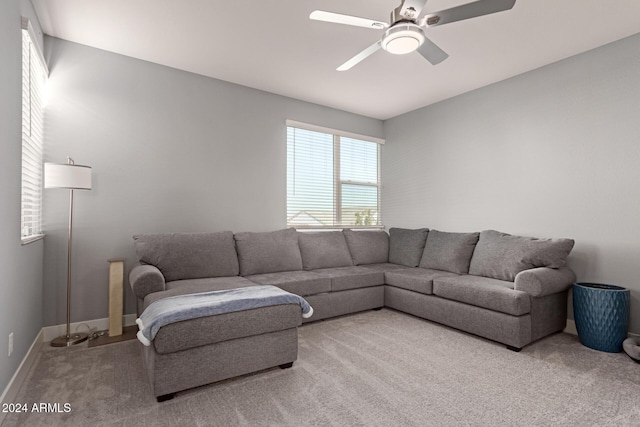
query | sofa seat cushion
[301, 283]
[269, 252]
[415, 279]
[189, 255]
[367, 247]
[493, 294]
[324, 249]
[194, 286]
[385, 266]
[223, 327]
[449, 251]
[343, 278]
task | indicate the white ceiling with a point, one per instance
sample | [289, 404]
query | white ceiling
[273, 46]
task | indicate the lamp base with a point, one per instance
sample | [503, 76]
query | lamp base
[68, 341]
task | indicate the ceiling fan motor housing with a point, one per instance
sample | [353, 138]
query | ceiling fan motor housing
[402, 38]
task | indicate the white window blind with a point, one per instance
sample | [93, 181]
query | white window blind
[34, 75]
[333, 181]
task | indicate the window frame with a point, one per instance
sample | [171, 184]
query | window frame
[338, 182]
[32, 142]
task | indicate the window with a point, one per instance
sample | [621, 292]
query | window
[333, 178]
[34, 75]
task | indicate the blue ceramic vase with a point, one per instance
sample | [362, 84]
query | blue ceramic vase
[601, 313]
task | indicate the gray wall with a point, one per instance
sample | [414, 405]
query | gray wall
[170, 151]
[551, 153]
[21, 266]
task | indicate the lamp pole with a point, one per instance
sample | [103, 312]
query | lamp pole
[68, 176]
[70, 162]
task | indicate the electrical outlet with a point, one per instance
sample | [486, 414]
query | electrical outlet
[10, 343]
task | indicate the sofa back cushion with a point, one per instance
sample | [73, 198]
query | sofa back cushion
[502, 256]
[367, 247]
[406, 246]
[269, 252]
[324, 249]
[182, 256]
[449, 251]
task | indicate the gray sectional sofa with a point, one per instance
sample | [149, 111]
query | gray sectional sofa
[509, 289]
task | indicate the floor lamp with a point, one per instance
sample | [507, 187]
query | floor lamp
[72, 177]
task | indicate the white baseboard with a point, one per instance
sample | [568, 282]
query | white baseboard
[571, 327]
[11, 391]
[51, 332]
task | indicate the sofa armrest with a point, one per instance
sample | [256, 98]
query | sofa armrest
[542, 281]
[146, 279]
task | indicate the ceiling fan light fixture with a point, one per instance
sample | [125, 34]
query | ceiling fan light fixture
[403, 38]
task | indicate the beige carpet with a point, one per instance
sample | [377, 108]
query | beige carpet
[377, 368]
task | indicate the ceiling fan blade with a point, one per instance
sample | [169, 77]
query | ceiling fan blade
[410, 9]
[466, 11]
[321, 15]
[359, 57]
[431, 52]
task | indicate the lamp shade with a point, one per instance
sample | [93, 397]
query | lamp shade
[75, 177]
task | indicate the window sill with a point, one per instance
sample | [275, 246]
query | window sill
[353, 227]
[31, 239]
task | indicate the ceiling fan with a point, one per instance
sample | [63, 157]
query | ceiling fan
[405, 32]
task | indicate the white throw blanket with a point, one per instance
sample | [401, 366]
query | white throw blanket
[192, 306]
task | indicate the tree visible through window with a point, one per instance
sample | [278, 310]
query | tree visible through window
[333, 181]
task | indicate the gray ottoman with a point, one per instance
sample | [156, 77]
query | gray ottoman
[201, 351]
